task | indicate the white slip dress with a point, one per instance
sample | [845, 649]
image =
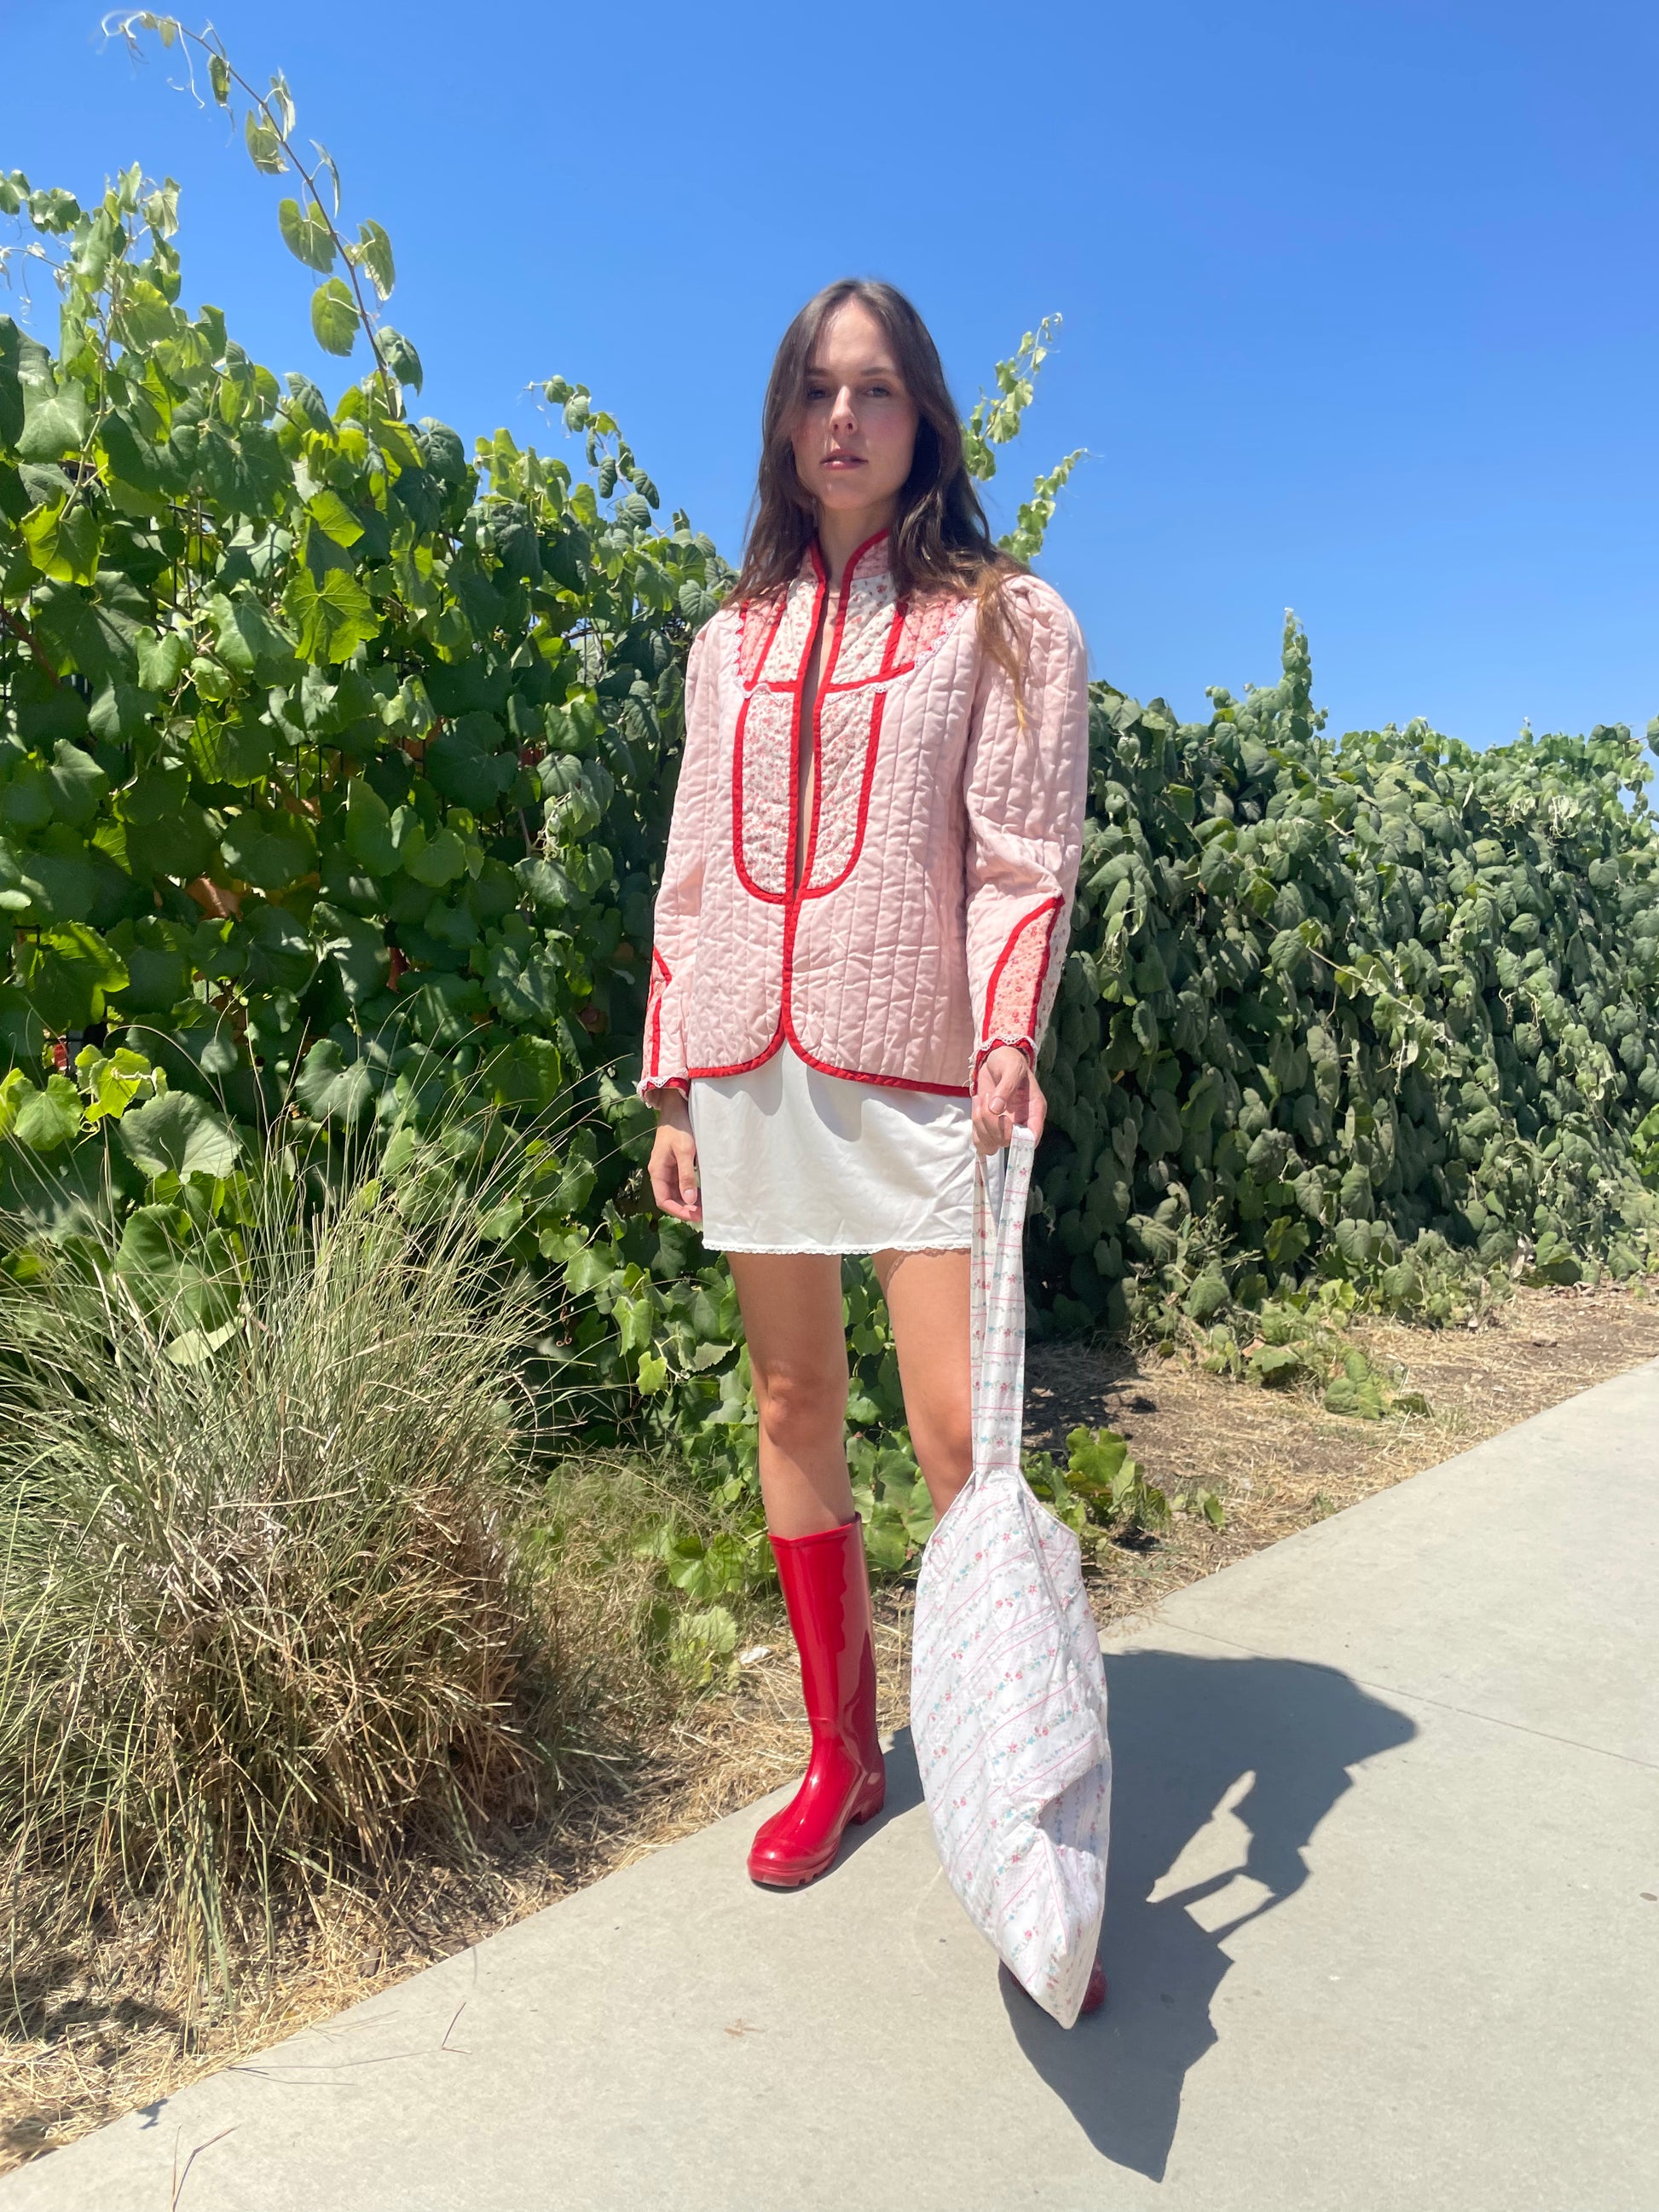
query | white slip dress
[790, 1160]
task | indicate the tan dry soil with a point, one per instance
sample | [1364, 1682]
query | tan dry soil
[114, 2041]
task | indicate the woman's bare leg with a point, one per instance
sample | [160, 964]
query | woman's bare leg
[793, 1319]
[928, 1299]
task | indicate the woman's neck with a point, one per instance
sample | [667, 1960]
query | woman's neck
[841, 535]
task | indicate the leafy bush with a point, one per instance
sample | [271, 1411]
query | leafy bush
[1102, 1489]
[1326, 1002]
[333, 767]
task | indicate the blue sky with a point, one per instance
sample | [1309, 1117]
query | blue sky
[1361, 297]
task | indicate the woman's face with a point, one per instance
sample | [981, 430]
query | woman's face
[856, 433]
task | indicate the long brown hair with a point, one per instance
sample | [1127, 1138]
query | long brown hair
[940, 540]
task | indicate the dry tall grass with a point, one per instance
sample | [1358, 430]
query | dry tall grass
[262, 1616]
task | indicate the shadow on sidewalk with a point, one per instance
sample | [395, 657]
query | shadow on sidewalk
[1274, 1738]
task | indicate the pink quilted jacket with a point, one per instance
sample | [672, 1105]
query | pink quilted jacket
[941, 850]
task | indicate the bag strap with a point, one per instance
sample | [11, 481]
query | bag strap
[997, 1302]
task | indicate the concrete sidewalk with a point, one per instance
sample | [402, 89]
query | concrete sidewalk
[1382, 1937]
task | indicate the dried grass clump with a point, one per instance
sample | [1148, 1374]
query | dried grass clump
[262, 1618]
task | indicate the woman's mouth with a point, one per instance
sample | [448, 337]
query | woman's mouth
[843, 460]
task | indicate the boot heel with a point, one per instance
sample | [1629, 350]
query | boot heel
[871, 1806]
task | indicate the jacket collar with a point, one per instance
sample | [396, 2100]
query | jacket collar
[872, 559]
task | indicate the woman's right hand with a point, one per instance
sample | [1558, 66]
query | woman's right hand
[674, 1160]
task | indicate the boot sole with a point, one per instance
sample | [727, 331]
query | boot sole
[800, 1880]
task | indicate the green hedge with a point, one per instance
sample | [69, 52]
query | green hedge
[1328, 998]
[335, 768]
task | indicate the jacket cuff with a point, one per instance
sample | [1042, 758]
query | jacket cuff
[991, 1044]
[648, 1087]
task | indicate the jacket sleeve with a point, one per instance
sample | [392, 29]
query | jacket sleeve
[1025, 790]
[679, 893]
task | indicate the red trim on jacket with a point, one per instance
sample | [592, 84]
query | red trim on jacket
[889, 1082]
[657, 990]
[793, 692]
[778, 613]
[884, 674]
[1051, 907]
[825, 1067]
[739, 861]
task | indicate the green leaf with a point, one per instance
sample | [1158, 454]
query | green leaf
[335, 321]
[263, 146]
[119, 715]
[77, 782]
[64, 541]
[1275, 1365]
[193, 1293]
[440, 861]
[357, 948]
[11, 389]
[55, 421]
[219, 78]
[330, 1088]
[307, 235]
[114, 1080]
[331, 618]
[399, 356]
[305, 400]
[281, 103]
[61, 884]
[245, 638]
[368, 829]
[48, 1118]
[178, 1134]
[472, 762]
[162, 660]
[334, 518]
[885, 1544]
[374, 253]
[65, 973]
[268, 850]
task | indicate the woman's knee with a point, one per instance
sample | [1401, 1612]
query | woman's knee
[800, 1407]
[943, 1439]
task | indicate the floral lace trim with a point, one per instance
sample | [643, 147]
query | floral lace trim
[1016, 980]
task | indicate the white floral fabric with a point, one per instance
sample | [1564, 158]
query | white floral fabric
[1008, 1692]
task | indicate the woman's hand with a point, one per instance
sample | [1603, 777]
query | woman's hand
[674, 1160]
[1007, 1093]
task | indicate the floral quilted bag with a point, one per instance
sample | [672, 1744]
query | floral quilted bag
[1008, 1690]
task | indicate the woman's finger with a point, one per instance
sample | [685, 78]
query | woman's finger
[674, 1175]
[685, 1161]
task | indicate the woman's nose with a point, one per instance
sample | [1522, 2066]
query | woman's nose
[843, 416]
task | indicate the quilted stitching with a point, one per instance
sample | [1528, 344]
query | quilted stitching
[938, 825]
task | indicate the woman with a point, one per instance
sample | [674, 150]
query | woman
[859, 930]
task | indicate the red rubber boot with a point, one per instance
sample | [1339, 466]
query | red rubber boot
[826, 1589]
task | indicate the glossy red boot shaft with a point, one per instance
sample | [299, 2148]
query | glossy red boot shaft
[826, 1589]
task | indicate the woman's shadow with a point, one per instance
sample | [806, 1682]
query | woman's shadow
[1274, 1740]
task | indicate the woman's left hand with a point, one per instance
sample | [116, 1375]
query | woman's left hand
[1006, 1094]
